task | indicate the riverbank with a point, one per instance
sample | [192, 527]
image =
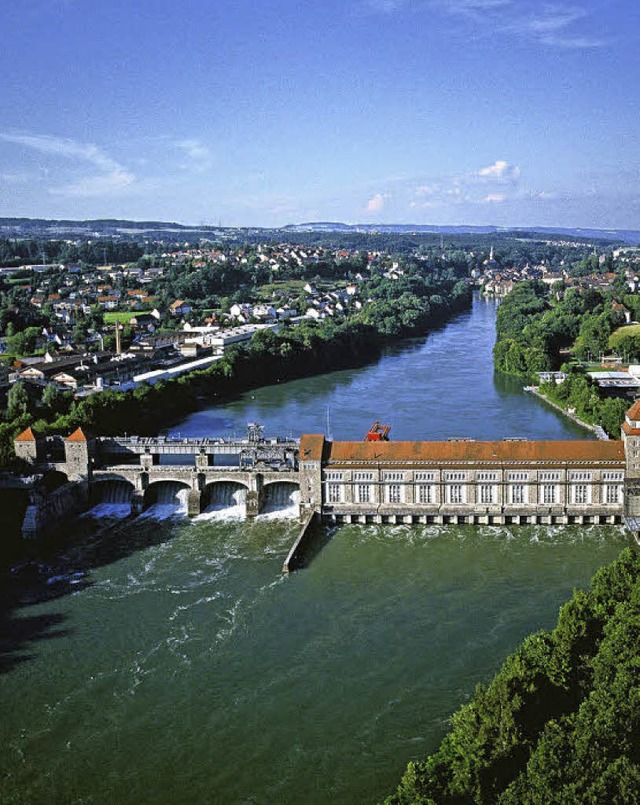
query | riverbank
[597, 430]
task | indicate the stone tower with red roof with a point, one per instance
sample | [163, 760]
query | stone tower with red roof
[79, 451]
[26, 446]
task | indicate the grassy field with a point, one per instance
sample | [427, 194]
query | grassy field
[112, 316]
[283, 288]
[621, 332]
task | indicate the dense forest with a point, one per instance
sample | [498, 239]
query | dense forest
[535, 324]
[533, 327]
[560, 721]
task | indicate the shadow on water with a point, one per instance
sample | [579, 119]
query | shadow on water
[319, 535]
[36, 572]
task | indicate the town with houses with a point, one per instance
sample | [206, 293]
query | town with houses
[498, 280]
[113, 326]
[164, 340]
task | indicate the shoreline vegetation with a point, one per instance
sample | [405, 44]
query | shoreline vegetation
[535, 331]
[562, 715]
[596, 429]
[410, 306]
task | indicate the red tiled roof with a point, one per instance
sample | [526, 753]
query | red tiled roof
[474, 452]
[634, 412]
[311, 447]
[26, 436]
[78, 435]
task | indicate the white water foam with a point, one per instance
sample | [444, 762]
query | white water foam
[238, 512]
[163, 511]
[282, 502]
[274, 513]
[227, 501]
[171, 501]
[113, 500]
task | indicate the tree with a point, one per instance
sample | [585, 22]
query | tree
[17, 400]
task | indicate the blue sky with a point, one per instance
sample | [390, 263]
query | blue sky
[506, 112]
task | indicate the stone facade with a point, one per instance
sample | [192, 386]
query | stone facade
[464, 482]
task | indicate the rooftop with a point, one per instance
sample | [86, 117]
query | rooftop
[26, 436]
[472, 452]
[78, 435]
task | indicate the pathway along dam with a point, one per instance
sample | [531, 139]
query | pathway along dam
[163, 659]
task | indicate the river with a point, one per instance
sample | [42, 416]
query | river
[179, 666]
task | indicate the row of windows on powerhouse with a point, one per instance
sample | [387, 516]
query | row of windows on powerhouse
[456, 493]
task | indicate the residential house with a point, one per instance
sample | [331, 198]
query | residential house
[179, 308]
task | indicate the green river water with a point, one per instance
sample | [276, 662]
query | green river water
[180, 666]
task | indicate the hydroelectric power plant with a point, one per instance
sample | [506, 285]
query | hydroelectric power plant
[459, 481]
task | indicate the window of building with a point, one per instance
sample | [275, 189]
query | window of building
[613, 493]
[580, 476]
[363, 476]
[394, 493]
[334, 493]
[581, 493]
[426, 493]
[486, 476]
[393, 476]
[612, 476]
[456, 493]
[363, 493]
[549, 493]
[549, 476]
[487, 493]
[334, 476]
[518, 476]
[455, 476]
[518, 493]
[424, 476]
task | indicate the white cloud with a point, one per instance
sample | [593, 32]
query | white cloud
[198, 154]
[552, 24]
[491, 184]
[14, 178]
[106, 185]
[112, 176]
[500, 170]
[376, 203]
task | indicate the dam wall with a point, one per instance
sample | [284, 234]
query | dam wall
[460, 481]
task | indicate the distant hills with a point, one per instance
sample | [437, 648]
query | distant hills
[167, 230]
[624, 235]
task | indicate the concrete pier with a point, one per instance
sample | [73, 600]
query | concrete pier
[300, 547]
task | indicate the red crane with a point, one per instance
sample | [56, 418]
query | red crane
[378, 433]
